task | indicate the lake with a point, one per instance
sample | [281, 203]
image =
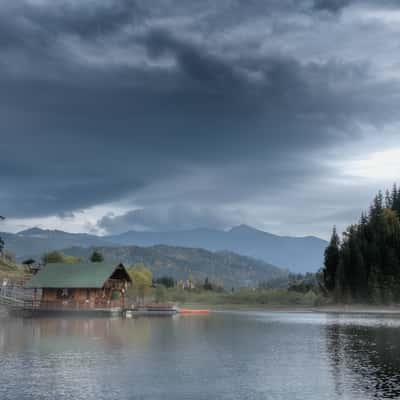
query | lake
[226, 355]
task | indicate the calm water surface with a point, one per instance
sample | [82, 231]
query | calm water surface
[227, 355]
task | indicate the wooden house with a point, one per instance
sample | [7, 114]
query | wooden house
[83, 286]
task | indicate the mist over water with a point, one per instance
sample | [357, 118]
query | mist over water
[227, 355]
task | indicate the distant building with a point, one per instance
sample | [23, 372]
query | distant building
[186, 284]
[89, 286]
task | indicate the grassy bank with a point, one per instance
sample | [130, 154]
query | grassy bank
[272, 300]
[244, 298]
[10, 270]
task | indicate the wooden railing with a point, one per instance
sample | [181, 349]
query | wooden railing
[18, 292]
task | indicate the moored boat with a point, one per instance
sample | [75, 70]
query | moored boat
[151, 310]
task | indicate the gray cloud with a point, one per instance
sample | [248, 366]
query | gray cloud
[176, 217]
[331, 5]
[181, 110]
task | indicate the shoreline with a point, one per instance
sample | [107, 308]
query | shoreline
[331, 309]
[355, 309]
[359, 309]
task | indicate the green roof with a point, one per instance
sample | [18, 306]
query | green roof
[82, 275]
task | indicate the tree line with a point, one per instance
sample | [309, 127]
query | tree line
[364, 264]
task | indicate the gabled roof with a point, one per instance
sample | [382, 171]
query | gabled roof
[82, 275]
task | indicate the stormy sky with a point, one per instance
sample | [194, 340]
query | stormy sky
[159, 115]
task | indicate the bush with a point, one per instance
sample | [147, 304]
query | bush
[160, 294]
[96, 257]
[53, 257]
[166, 281]
[58, 257]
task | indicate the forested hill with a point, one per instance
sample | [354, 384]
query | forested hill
[226, 268]
[298, 254]
[364, 265]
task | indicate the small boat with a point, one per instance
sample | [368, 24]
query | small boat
[151, 310]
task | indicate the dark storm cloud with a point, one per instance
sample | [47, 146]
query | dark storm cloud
[102, 101]
[337, 5]
[45, 21]
[331, 5]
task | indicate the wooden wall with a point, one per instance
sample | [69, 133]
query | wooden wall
[81, 298]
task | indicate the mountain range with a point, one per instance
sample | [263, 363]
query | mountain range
[297, 254]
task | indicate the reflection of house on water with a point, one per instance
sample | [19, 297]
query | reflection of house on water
[18, 334]
[365, 358]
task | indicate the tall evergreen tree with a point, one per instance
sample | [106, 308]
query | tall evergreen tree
[395, 199]
[367, 265]
[331, 261]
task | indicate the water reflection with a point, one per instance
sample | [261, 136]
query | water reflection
[17, 334]
[365, 358]
[229, 355]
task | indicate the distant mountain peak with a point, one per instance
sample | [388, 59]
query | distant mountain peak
[36, 231]
[32, 231]
[243, 228]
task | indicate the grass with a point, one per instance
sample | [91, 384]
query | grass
[244, 298]
[10, 270]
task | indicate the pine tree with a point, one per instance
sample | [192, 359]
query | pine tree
[395, 199]
[367, 267]
[388, 199]
[331, 261]
[207, 285]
